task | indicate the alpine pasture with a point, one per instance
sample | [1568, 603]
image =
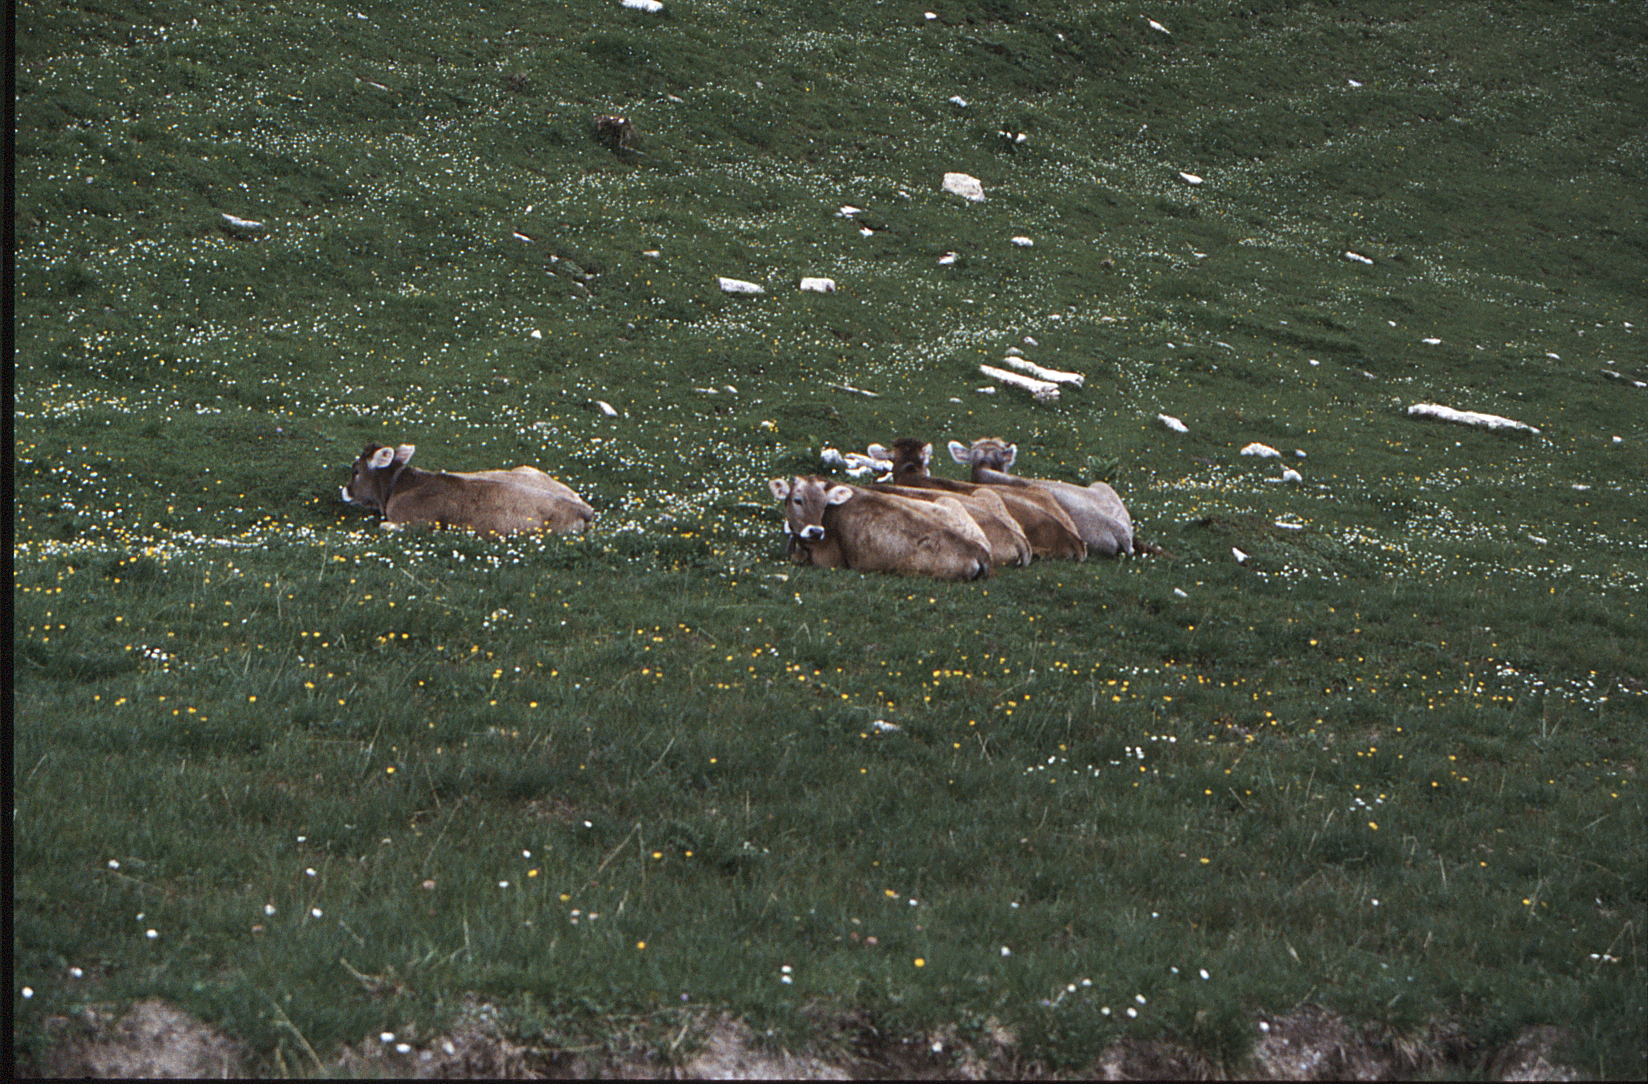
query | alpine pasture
[1364, 740]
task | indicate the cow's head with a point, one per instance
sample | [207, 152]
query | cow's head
[908, 456]
[805, 497]
[991, 453]
[373, 475]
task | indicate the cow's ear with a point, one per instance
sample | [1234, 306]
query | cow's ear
[879, 451]
[838, 495]
[403, 453]
[961, 453]
[381, 458]
[780, 487]
[1009, 455]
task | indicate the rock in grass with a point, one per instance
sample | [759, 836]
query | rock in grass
[1467, 417]
[818, 286]
[1263, 451]
[651, 7]
[242, 227]
[968, 188]
[739, 286]
[1044, 390]
[1173, 423]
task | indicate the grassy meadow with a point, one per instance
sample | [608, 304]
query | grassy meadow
[314, 783]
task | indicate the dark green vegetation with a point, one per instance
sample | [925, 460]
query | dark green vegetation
[1390, 765]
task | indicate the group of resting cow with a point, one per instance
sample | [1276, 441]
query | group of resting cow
[910, 524]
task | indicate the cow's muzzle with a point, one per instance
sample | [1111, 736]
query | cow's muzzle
[812, 534]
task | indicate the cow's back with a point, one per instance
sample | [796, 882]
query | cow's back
[878, 532]
[489, 502]
[1046, 525]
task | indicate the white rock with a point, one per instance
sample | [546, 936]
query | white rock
[929, 15]
[1190, 178]
[1054, 376]
[651, 7]
[1154, 25]
[818, 286]
[947, 259]
[1023, 242]
[1431, 342]
[1353, 82]
[882, 726]
[246, 224]
[848, 211]
[956, 99]
[536, 334]
[1043, 390]
[865, 231]
[606, 408]
[831, 457]
[519, 236]
[1466, 417]
[1359, 258]
[1241, 558]
[968, 188]
[1179, 592]
[652, 254]
[739, 286]
[1291, 475]
[1263, 451]
[1619, 440]
[1173, 423]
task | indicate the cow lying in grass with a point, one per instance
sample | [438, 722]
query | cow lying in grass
[840, 526]
[1097, 510]
[1046, 526]
[487, 502]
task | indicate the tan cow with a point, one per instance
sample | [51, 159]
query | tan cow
[1097, 510]
[487, 502]
[1048, 528]
[1008, 543]
[840, 526]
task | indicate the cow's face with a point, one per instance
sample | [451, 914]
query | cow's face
[991, 453]
[805, 497]
[370, 477]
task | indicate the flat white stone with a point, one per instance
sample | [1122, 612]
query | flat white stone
[739, 286]
[1466, 417]
[818, 286]
[968, 188]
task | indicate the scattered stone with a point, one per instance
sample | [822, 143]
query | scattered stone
[968, 188]
[1467, 417]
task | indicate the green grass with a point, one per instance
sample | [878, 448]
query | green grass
[1424, 689]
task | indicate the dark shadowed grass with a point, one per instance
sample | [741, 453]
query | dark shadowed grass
[613, 784]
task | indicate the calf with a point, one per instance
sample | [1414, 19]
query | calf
[1097, 510]
[1047, 527]
[840, 526]
[487, 502]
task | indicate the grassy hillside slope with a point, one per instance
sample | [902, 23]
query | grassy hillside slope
[612, 787]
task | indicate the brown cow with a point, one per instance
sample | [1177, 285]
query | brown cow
[839, 526]
[1008, 542]
[487, 502]
[1097, 510]
[1046, 525]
